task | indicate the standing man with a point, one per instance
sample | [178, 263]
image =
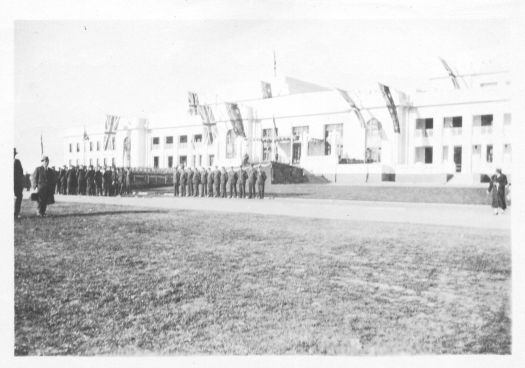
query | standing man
[209, 174]
[217, 182]
[90, 181]
[224, 180]
[243, 176]
[252, 177]
[98, 182]
[196, 182]
[497, 186]
[183, 182]
[114, 181]
[261, 178]
[204, 183]
[106, 181]
[176, 181]
[44, 181]
[190, 182]
[232, 183]
[82, 181]
[71, 180]
[19, 180]
[121, 181]
[63, 181]
[129, 178]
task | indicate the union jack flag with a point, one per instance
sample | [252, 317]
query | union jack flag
[236, 119]
[208, 121]
[110, 130]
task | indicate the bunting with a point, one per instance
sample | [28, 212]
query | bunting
[236, 119]
[391, 106]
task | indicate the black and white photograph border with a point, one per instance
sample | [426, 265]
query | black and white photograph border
[369, 241]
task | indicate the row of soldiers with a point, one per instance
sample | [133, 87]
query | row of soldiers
[219, 182]
[107, 181]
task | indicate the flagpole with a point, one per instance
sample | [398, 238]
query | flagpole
[41, 144]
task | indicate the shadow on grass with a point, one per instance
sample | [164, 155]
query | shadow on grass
[102, 213]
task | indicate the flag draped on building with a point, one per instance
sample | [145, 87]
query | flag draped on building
[110, 130]
[236, 119]
[391, 106]
[451, 74]
[193, 103]
[209, 124]
[266, 89]
[353, 106]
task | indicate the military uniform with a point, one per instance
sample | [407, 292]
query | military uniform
[82, 181]
[176, 182]
[196, 182]
[243, 176]
[129, 178]
[232, 183]
[261, 178]
[71, 181]
[209, 174]
[217, 182]
[204, 183]
[121, 181]
[63, 181]
[98, 182]
[224, 180]
[252, 177]
[106, 182]
[183, 182]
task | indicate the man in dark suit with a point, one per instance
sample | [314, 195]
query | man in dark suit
[252, 177]
[98, 182]
[106, 181]
[497, 186]
[44, 182]
[261, 178]
[204, 183]
[176, 181]
[82, 180]
[90, 181]
[190, 182]
[243, 176]
[210, 182]
[71, 181]
[63, 180]
[19, 181]
[196, 182]
[217, 181]
[183, 182]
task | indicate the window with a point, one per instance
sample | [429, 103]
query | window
[267, 151]
[197, 138]
[476, 149]
[483, 120]
[70, 148]
[156, 162]
[90, 146]
[230, 144]
[445, 154]
[211, 158]
[156, 141]
[428, 155]
[169, 140]
[183, 139]
[113, 143]
[299, 133]
[333, 134]
[78, 147]
[267, 133]
[170, 161]
[427, 123]
[183, 160]
[489, 153]
[453, 122]
[98, 145]
[373, 154]
[200, 160]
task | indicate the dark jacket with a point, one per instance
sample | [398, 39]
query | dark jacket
[19, 177]
[497, 187]
[261, 177]
[44, 181]
[196, 177]
[204, 177]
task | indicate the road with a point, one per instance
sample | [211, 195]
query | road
[475, 216]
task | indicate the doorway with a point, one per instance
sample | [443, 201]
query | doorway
[457, 157]
[296, 153]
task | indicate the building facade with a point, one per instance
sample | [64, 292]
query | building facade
[455, 135]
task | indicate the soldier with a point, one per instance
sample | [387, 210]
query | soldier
[176, 181]
[252, 177]
[44, 181]
[129, 178]
[98, 182]
[90, 181]
[209, 174]
[190, 182]
[82, 180]
[19, 180]
[121, 181]
[204, 183]
[196, 182]
[261, 178]
[217, 181]
[58, 189]
[224, 180]
[243, 176]
[114, 181]
[106, 181]
[232, 183]
[71, 181]
[183, 182]
[63, 181]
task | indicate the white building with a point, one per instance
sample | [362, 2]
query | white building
[454, 135]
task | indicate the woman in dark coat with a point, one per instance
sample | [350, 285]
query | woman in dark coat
[497, 186]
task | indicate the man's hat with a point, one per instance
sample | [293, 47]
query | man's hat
[44, 158]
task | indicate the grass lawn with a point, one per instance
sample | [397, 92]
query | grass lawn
[94, 279]
[389, 193]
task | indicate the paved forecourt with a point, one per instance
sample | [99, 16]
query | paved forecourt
[401, 212]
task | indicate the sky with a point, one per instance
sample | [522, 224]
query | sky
[70, 74]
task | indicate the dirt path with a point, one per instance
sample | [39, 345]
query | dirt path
[416, 213]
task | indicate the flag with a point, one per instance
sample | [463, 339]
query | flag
[209, 124]
[450, 73]
[274, 127]
[353, 106]
[41, 145]
[110, 129]
[266, 89]
[193, 102]
[236, 119]
[391, 106]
